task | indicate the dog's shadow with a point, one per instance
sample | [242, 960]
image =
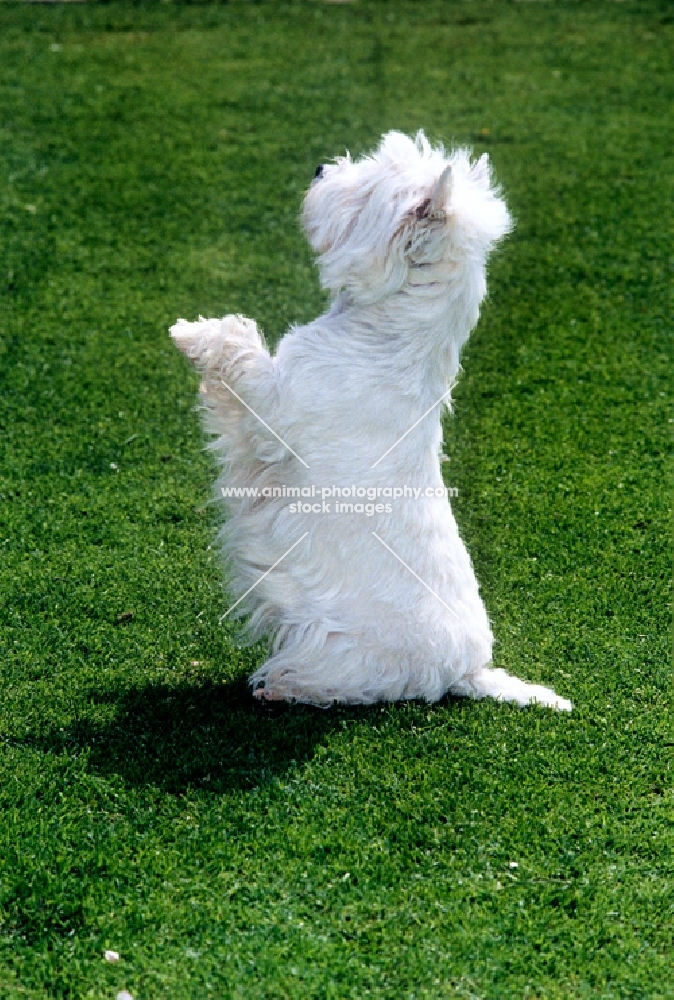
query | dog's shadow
[213, 737]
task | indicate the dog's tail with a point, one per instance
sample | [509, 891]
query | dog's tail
[487, 682]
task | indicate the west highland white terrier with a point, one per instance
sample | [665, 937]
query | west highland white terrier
[339, 539]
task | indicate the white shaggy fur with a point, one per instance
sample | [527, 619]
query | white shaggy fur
[402, 238]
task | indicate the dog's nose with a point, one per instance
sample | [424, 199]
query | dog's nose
[319, 170]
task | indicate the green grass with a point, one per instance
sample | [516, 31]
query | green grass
[152, 162]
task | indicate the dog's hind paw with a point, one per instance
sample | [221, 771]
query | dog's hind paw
[266, 694]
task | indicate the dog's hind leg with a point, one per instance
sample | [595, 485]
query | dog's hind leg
[496, 683]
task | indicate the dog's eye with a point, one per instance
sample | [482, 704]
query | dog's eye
[319, 171]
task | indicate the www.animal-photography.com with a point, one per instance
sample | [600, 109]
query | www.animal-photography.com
[335, 424]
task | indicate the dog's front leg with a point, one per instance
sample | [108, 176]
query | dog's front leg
[229, 350]
[238, 378]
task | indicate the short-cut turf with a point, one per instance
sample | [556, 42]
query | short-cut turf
[152, 160]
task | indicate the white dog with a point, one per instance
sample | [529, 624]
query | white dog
[379, 602]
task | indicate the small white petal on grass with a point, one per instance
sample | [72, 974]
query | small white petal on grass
[513, 864]
[111, 956]
[124, 995]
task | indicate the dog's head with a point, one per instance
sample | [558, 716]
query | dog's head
[404, 217]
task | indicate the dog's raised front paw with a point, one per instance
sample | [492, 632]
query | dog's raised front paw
[217, 343]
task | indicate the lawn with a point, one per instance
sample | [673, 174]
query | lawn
[152, 164]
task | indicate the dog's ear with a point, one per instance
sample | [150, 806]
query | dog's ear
[442, 193]
[426, 227]
[434, 209]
